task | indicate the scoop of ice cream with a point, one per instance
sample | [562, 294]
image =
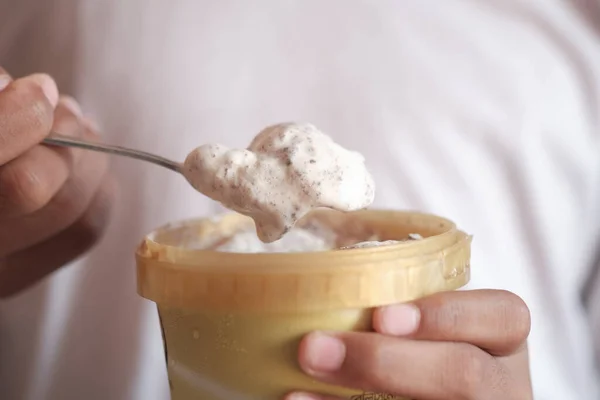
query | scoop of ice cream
[288, 170]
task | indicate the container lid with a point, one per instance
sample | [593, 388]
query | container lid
[172, 274]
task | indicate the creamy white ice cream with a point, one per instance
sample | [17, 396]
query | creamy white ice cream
[288, 170]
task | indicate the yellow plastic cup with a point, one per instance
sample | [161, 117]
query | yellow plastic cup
[232, 322]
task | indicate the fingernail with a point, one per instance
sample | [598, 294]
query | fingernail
[71, 104]
[399, 319]
[48, 87]
[322, 353]
[4, 81]
[302, 396]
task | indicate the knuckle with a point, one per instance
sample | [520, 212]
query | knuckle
[34, 109]
[478, 375]
[467, 370]
[449, 318]
[498, 378]
[41, 113]
[368, 363]
[445, 317]
[21, 190]
[25, 112]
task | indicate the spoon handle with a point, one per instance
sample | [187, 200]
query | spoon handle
[56, 139]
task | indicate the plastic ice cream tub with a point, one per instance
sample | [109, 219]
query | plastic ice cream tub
[232, 322]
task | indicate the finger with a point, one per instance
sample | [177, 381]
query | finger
[415, 369]
[26, 114]
[72, 199]
[27, 267]
[30, 181]
[494, 320]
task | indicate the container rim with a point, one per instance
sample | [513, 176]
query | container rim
[183, 258]
[276, 282]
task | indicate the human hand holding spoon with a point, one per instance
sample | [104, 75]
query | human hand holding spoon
[286, 171]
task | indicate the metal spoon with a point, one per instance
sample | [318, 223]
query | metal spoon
[56, 139]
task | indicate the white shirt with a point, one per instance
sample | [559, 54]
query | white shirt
[483, 112]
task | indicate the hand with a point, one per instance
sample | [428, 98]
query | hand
[54, 202]
[468, 345]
